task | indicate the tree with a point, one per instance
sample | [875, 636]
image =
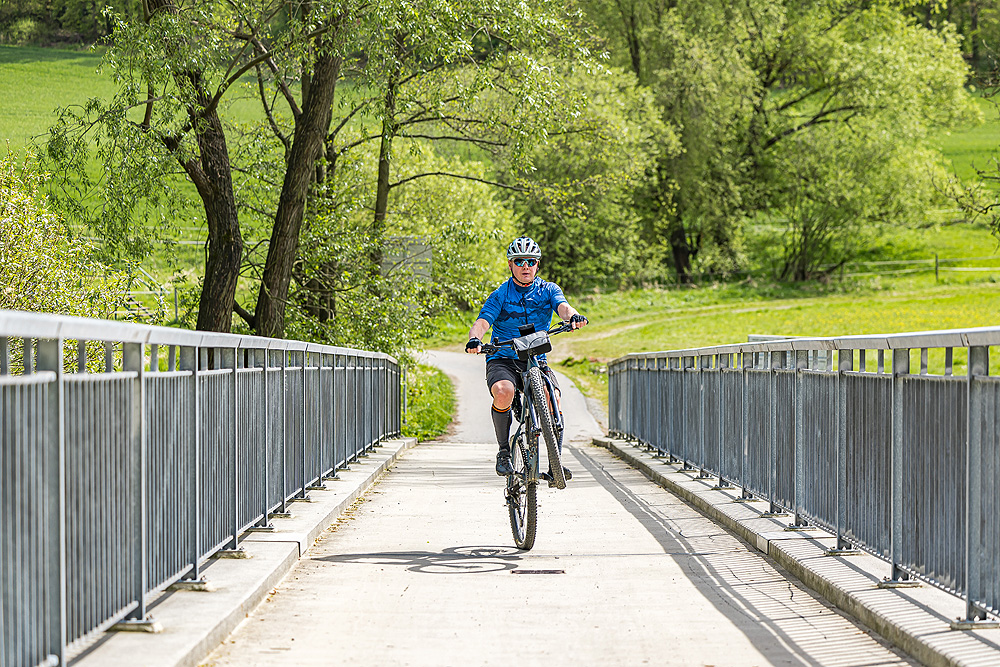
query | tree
[409, 65]
[743, 81]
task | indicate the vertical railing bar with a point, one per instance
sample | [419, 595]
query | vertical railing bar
[948, 361]
[881, 361]
[81, 356]
[923, 361]
[154, 358]
[27, 355]
[4, 355]
[109, 357]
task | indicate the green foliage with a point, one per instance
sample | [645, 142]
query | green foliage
[42, 268]
[430, 402]
[579, 204]
[341, 297]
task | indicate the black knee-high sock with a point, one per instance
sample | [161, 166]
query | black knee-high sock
[501, 423]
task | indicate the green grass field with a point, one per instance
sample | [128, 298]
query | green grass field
[970, 148]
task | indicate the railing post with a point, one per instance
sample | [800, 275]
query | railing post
[133, 361]
[722, 362]
[978, 366]
[801, 364]
[773, 361]
[703, 361]
[189, 362]
[50, 358]
[745, 422]
[230, 359]
[900, 369]
[302, 422]
[845, 364]
[262, 359]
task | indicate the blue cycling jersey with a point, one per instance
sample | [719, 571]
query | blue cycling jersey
[510, 306]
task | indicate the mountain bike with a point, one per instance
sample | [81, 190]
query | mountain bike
[536, 417]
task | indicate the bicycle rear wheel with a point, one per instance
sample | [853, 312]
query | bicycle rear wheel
[522, 499]
[545, 423]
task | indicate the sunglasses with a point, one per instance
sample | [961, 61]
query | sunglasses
[525, 262]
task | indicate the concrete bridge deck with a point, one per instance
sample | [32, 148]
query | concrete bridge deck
[420, 571]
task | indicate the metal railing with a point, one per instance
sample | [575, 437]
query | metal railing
[892, 452]
[122, 475]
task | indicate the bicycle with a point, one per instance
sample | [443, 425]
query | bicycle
[535, 418]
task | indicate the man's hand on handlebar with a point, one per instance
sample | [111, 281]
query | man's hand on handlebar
[473, 346]
[578, 320]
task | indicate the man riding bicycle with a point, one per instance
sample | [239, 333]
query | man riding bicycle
[522, 299]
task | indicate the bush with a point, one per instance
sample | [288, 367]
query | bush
[430, 401]
[42, 267]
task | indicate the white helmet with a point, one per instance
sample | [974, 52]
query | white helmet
[523, 247]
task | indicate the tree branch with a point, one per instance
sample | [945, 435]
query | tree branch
[506, 186]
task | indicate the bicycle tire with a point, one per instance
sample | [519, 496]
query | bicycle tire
[522, 500]
[538, 395]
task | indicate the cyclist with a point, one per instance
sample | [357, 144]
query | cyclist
[524, 298]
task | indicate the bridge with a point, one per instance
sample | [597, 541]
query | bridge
[236, 500]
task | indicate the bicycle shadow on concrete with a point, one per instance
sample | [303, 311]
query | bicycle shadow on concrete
[453, 560]
[755, 605]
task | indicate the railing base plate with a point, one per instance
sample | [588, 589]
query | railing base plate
[773, 515]
[235, 554]
[316, 487]
[279, 515]
[899, 583]
[261, 529]
[843, 552]
[147, 625]
[961, 624]
[198, 585]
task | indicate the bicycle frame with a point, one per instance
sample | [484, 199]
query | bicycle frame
[528, 416]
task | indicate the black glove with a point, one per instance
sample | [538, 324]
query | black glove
[473, 344]
[577, 318]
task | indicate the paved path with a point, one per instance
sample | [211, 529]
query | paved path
[421, 573]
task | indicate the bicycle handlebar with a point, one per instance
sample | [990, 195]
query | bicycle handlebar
[492, 348]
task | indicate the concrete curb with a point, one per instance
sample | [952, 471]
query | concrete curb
[915, 620]
[196, 623]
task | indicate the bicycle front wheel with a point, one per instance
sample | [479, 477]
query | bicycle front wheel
[545, 423]
[522, 499]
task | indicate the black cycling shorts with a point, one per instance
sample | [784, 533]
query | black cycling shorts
[511, 369]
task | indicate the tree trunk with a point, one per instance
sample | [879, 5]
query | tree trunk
[307, 145]
[225, 243]
[681, 251]
[212, 176]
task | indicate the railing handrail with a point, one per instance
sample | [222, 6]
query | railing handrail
[21, 324]
[971, 337]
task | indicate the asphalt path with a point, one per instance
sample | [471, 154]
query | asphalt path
[422, 572]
